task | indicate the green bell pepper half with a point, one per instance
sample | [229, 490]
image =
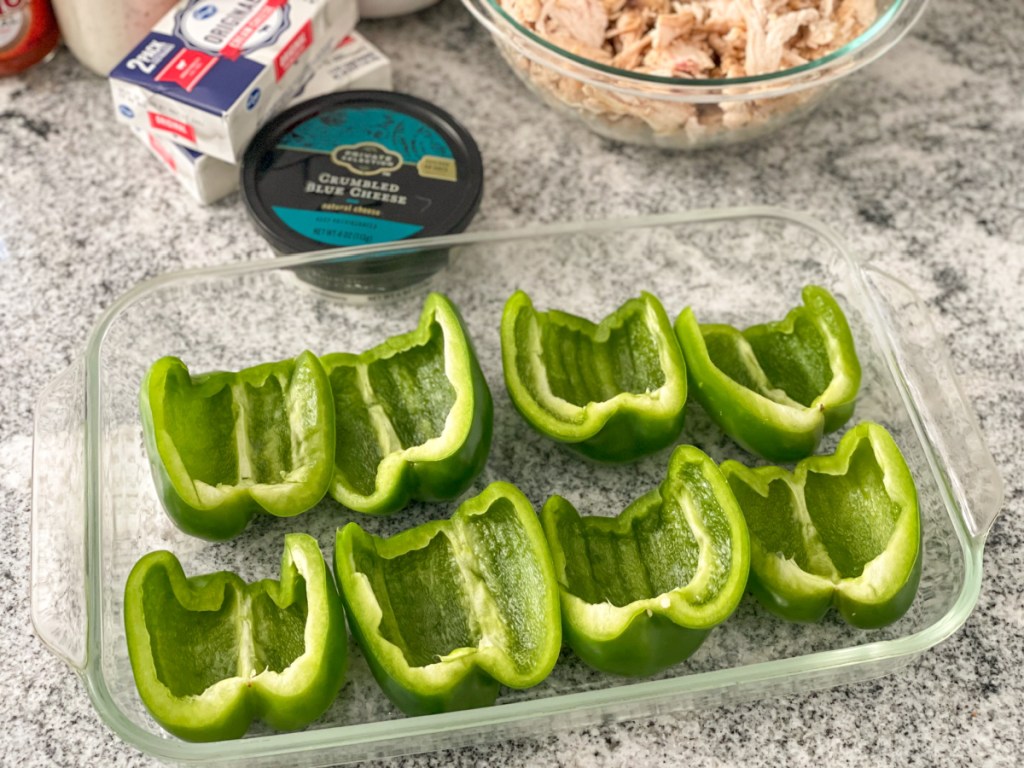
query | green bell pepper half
[448, 611]
[613, 391]
[415, 415]
[211, 653]
[841, 530]
[641, 591]
[775, 388]
[224, 446]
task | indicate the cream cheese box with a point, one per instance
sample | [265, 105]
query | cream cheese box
[211, 72]
[354, 64]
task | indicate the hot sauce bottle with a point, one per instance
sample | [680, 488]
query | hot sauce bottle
[28, 33]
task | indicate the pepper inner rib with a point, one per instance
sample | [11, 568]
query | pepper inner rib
[780, 522]
[583, 365]
[424, 599]
[708, 523]
[465, 588]
[853, 513]
[840, 525]
[236, 633]
[389, 405]
[264, 431]
[278, 632]
[240, 435]
[786, 365]
[192, 649]
[677, 540]
[203, 431]
[656, 554]
[797, 362]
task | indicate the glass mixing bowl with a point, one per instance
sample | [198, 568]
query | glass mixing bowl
[683, 113]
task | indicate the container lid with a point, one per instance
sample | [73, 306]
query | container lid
[360, 167]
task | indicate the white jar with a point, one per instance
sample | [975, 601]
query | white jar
[102, 32]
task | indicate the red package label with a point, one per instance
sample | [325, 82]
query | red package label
[234, 47]
[162, 152]
[187, 68]
[293, 51]
[172, 125]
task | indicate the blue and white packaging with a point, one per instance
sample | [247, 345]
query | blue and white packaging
[354, 64]
[205, 177]
[211, 72]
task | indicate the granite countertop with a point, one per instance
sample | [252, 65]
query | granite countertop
[918, 162]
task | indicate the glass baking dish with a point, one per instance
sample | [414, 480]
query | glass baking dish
[95, 511]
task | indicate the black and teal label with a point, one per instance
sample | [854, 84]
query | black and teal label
[357, 175]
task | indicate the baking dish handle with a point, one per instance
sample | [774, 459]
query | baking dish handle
[946, 416]
[58, 517]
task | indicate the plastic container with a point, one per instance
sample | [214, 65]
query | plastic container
[95, 511]
[356, 168]
[683, 113]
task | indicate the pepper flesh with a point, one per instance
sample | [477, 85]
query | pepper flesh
[211, 653]
[641, 591]
[841, 530]
[414, 415]
[775, 388]
[224, 446]
[448, 611]
[614, 391]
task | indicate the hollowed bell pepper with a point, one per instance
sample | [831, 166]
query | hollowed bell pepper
[775, 388]
[841, 530]
[223, 446]
[641, 591]
[211, 653]
[414, 415]
[448, 611]
[614, 391]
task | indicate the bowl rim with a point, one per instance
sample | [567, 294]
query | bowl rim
[887, 29]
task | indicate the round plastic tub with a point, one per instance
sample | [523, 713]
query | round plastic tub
[359, 168]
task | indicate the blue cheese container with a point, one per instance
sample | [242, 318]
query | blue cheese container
[359, 168]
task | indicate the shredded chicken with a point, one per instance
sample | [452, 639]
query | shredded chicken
[698, 37]
[693, 39]
[582, 20]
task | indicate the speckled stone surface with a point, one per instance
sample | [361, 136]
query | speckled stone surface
[917, 161]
